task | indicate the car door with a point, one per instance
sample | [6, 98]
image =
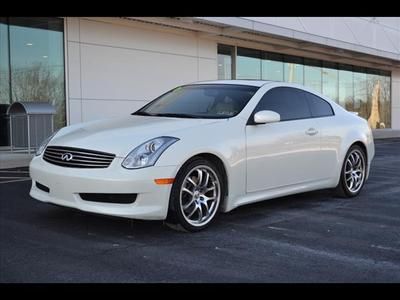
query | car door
[282, 153]
[330, 139]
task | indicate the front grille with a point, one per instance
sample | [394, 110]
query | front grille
[77, 158]
[109, 198]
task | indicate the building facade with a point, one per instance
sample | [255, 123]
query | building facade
[92, 68]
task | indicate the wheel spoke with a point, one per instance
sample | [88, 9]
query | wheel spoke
[200, 217]
[193, 211]
[186, 206]
[199, 177]
[207, 177]
[209, 189]
[206, 205]
[191, 181]
[208, 198]
[187, 191]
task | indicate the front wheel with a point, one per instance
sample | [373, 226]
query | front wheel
[195, 196]
[353, 172]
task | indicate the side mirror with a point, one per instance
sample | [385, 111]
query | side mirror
[266, 116]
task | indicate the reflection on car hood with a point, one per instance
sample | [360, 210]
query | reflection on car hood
[121, 135]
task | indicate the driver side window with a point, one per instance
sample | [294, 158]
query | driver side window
[288, 102]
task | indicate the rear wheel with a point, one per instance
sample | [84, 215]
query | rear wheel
[195, 196]
[353, 172]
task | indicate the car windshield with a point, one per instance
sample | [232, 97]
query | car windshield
[200, 101]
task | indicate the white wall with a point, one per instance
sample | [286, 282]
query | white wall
[114, 69]
[396, 100]
[382, 33]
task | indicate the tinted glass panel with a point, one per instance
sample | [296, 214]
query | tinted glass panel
[288, 102]
[346, 92]
[225, 62]
[293, 69]
[330, 83]
[37, 62]
[319, 107]
[313, 74]
[248, 64]
[272, 67]
[4, 64]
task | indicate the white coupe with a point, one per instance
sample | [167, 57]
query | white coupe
[203, 148]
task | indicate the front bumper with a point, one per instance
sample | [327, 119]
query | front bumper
[66, 184]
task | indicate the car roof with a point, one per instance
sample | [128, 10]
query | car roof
[250, 82]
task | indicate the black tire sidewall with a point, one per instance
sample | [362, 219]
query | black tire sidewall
[175, 214]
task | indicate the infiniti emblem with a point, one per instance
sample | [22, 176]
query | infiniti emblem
[66, 156]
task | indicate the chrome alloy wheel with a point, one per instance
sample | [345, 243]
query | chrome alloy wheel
[354, 171]
[200, 195]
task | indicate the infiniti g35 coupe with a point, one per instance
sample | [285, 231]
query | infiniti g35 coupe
[205, 148]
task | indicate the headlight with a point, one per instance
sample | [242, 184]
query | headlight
[147, 153]
[44, 143]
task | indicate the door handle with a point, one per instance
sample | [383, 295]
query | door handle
[311, 131]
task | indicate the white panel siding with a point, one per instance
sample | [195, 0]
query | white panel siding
[102, 109]
[75, 113]
[207, 69]
[115, 69]
[137, 38]
[73, 29]
[74, 72]
[363, 34]
[115, 73]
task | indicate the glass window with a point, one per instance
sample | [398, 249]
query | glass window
[248, 64]
[4, 65]
[272, 67]
[290, 103]
[313, 74]
[360, 92]
[385, 102]
[330, 81]
[37, 62]
[358, 89]
[318, 106]
[201, 101]
[293, 69]
[346, 91]
[378, 92]
[225, 54]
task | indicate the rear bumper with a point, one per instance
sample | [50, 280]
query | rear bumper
[65, 185]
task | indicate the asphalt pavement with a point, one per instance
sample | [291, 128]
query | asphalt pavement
[311, 237]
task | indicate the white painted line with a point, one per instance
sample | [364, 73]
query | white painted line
[11, 177]
[2, 182]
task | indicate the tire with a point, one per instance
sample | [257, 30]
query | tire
[196, 196]
[353, 173]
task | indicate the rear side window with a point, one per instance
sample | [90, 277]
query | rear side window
[290, 103]
[318, 106]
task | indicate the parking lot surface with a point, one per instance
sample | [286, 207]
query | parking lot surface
[311, 237]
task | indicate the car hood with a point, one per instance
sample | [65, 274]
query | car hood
[121, 135]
